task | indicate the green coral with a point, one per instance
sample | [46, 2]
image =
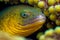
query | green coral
[51, 34]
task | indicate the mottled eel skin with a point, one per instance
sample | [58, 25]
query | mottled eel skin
[21, 20]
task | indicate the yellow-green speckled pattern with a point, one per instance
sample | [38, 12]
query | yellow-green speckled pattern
[21, 20]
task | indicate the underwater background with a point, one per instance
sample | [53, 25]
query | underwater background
[33, 36]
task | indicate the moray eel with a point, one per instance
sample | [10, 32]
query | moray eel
[21, 20]
[6, 36]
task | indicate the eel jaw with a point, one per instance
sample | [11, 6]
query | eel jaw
[40, 19]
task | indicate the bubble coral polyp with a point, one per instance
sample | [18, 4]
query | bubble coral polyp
[51, 34]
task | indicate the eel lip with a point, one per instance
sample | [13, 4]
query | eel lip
[40, 18]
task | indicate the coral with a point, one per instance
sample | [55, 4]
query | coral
[51, 34]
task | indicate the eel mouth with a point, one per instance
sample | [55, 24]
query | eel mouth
[40, 18]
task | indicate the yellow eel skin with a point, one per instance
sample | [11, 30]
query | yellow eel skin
[21, 20]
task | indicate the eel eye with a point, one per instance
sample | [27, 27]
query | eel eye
[25, 14]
